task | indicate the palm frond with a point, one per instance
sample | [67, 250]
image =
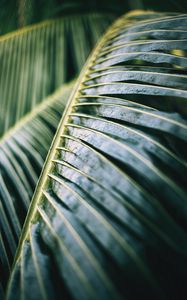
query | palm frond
[37, 59]
[108, 218]
[22, 153]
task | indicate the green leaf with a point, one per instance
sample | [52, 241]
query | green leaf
[108, 219]
[38, 59]
[35, 61]
[22, 154]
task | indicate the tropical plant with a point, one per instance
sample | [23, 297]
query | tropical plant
[108, 216]
[23, 150]
[36, 61]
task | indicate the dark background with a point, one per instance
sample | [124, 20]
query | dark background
[18, 13]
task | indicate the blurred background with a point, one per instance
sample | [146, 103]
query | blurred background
[18, 13]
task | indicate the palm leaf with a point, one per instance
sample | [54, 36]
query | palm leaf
[108, 218]
[22, 153]
[37, 59]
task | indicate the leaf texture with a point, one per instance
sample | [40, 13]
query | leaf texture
[109, 216]
[38, 59]
[22, 153]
